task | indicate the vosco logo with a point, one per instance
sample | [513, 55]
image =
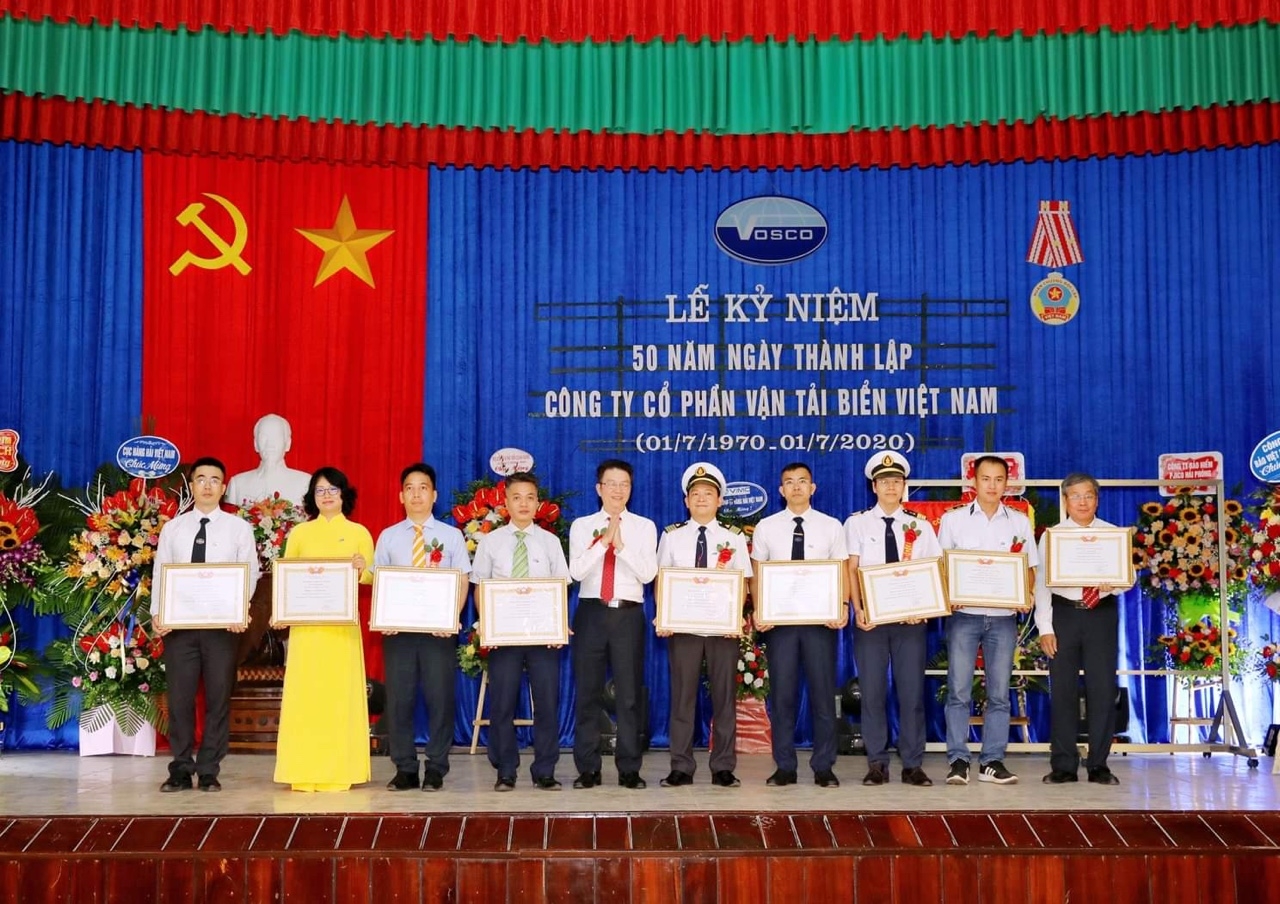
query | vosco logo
[770, 229]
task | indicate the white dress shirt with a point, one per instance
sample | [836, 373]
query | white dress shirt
[1044, 593]
[496, 553]
[968, 527]
[636, 566]
[678, 547]
[228, 538]
[864, 536]
[823, 537]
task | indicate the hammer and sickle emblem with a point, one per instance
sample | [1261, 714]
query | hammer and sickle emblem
[190, 216]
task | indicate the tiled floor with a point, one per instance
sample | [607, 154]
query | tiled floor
[64, 784]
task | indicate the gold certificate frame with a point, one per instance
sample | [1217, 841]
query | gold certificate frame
[204, 595]
[705, 601]
[903, 591]
[417, 600]
[314, 592]
[808, 592]
[1089, 557]
[524, 612]
[992, 580]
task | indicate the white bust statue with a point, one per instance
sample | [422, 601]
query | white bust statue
[272, 438]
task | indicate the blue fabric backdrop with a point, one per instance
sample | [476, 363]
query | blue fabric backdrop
[71, 318]
[539, 280]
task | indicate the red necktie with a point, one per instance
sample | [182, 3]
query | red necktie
[606, 577]
[1090, 597]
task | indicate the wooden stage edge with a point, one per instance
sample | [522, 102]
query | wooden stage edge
[662, 857]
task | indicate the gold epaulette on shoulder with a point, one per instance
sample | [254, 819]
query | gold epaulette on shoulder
[676, 526]
[733, 528]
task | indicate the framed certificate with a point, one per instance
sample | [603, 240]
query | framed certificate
[705, 601]
[213, 595]
[415, 599]
[901, 591]
[800, 593]
[314, 592]
[1076, 557]
[524, 612]
[994, 580]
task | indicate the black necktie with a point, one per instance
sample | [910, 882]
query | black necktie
[797, 541]
[700, 552]
[197, 548]
[890, 541]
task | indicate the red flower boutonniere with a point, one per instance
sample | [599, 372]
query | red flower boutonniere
[910, 533]
[435, 554]
[724, 554]
[1016, 545]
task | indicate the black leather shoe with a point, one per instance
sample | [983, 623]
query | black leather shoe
[1103, 776]
[725, 779]
[209, 783]
[826, 779]
[504, 784]
[633, 780]
[877, 774]
[781, 777]
[914, 775]
[547, 783]
[676, 779]
[587, 780]
[1060, 777]
[403, 781]
[176, 783]
[432, 780]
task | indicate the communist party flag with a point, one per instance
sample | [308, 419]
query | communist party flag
[294, 289]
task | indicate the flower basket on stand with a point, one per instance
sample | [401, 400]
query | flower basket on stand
[101, 732]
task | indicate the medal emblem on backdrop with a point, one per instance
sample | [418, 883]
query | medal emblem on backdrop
[1055, 299]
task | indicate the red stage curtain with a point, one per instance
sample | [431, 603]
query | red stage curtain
[647, 20]
[100, 124]
[342, 361]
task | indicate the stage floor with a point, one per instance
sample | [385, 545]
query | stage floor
[65, 784]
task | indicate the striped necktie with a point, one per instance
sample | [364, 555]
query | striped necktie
[520, 559]
[419, 548]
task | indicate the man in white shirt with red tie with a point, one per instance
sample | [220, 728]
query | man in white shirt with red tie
[1079, 628]
[887, 533]
[613, 553]
[522, 549]
[800, 532]
[204, 534]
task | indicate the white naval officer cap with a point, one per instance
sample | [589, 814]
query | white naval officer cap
[702, 472]
[887, 464]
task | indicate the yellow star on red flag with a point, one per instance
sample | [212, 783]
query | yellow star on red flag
[344, 246]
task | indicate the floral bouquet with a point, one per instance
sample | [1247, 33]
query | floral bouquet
[1176, 543]
[21, 555]
[1197, 646]
[753, 668]
[1262, 542]
[18, 668]
[115, 672]
[473, 658]
[1267, 662]
[271, 519]
[112, 556]
[481, 508]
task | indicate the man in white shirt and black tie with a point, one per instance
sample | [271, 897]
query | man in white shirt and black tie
[795, 533]
[522, 549]
[883, 534]
[204, 534]
[703, 542]
[614, 554]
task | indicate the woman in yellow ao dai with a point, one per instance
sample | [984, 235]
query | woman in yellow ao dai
[324, 716]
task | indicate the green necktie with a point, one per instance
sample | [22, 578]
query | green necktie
[520, 561]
